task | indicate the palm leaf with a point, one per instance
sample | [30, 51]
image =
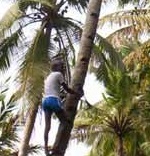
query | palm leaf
[67, 37]
[5, 109]
[13, 14]
[146, 147]
[123, 2]
[24, 4]
[103, 146]
[79, 4]
[107, 48]
[8, 124]
[104, 55]
[126, 37]
[139, 18]
[35, 67]
[7, 47]
[16, 12]
[34, 149]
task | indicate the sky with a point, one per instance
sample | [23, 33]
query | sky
[93, 92]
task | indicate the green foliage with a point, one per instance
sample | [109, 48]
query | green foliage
[34, 54]
[13, 14]
[123, 2]
[24, 4]
[118, 87]
[8, 126]
[118, 115]
[7, 49]
[35, 67]
[129, 25]
[103, 57]
[79, 4]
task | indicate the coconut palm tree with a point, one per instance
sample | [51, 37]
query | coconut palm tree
[35, 51]
[113, 127]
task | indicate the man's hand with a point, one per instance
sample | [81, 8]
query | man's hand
[79, 93]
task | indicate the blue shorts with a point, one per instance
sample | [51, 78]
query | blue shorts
[52, 104]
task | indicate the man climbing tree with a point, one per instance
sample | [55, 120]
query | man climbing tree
[52, 102]
[79, 75]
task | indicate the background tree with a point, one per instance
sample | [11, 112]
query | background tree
[112, 126]
[130, 27]
[140, 140]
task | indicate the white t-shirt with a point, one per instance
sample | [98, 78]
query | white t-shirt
[52, 84]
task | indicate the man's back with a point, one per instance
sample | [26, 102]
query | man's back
[52, 84]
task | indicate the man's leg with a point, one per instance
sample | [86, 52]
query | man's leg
[64, 121]
[62, 116]
[47, 129]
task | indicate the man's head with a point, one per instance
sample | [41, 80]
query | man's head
[57, 65]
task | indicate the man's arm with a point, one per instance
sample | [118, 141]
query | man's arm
[71, 91]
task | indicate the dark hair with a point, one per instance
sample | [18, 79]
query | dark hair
[57, 65]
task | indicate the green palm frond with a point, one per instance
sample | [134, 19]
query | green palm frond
[35, 66]
[138, 18]
[104, 52]
[89, 123]
[117, 80]
[8, 124]
[103, 146]
[5, 108]
[132, 143]
[113, 118]
[34, 149]
[13, 14]
[24, 4]
[79, 4]
[8, 134]
[84, 126]
[7, 47]
[126, 37]
[67, 37]
[123, 2]
[146, 148]
[104, 55]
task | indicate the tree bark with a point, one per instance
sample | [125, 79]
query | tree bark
[120, 151]
[79, 75]
[23, 151]
[28, 131]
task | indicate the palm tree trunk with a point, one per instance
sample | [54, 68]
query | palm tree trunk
[28, 131]
[78, 79]
[120, 146]
[23, 151]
